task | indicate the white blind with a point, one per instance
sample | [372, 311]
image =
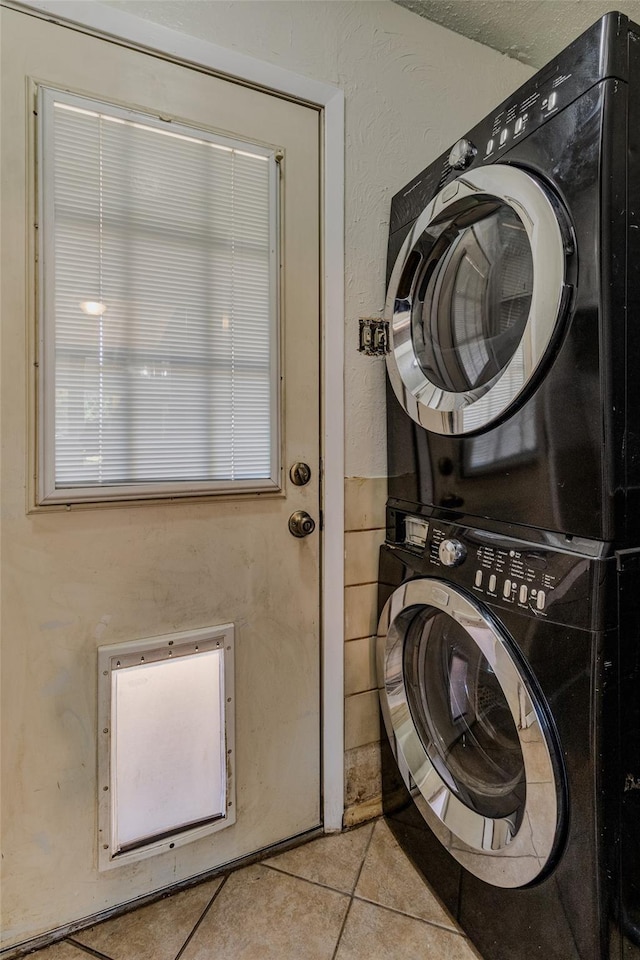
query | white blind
[161, 318]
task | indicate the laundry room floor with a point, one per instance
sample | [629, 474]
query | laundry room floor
[350, 896]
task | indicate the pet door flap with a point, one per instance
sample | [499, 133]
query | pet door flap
[169, 732]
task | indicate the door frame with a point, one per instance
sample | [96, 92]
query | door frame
[145, 35]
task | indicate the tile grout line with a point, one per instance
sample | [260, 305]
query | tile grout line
[86, 949]
[341, 931]
[318, 883]
[201, 918]
[295, 876]
[353, 890]
[364, 857]
[354, 896]
[412, 916]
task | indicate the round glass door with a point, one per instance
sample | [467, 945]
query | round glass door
[474, 299]
[462, 716]
[471, 736]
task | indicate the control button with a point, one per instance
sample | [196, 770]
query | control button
[541, 599]
[523, 594]
[506, 590]
[503, 136]
[492, 582]
[452, 552]
[478, 579]
[461, 155]
[519, 125]
[490, 145]
[552, 101]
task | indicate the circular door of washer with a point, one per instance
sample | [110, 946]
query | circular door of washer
[472, 738]
[475, 298]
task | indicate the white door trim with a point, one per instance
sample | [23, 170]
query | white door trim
[146, 35]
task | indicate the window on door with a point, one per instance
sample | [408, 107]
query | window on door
[158, 308]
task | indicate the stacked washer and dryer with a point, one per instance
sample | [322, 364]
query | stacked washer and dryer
[508, 648]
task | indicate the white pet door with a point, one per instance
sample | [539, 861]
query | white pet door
[167, 757]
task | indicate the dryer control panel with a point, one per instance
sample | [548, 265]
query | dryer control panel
[519, 117]
[531, 578]
[597, 55]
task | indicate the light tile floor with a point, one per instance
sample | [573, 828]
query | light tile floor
[351, 896]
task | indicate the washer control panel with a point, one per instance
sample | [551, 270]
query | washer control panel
[504, 572]
[517, 576]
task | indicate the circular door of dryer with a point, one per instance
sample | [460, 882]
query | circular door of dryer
[470, 734]
[475, 297]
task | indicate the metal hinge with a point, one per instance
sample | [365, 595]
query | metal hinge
[373, 336]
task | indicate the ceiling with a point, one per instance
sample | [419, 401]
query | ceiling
[532, 31]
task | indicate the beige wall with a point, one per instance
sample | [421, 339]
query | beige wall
[411, 88]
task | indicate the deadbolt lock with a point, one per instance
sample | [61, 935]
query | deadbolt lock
[301, 524]
[300, 473]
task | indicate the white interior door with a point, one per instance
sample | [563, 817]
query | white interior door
[103, 573]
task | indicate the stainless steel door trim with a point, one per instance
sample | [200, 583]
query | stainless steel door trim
[504, 851]
[450, 413]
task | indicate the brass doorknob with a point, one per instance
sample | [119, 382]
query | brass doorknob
[301, 524]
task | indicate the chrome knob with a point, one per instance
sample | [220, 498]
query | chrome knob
[462, 153]
[452, 552]
[301, 524]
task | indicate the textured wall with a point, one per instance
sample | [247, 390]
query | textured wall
[411, 88]
[532, 31]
